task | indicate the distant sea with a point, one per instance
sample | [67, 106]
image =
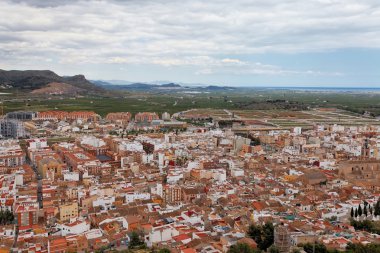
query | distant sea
[342, 89]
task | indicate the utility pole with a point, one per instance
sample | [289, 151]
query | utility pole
[2, 109]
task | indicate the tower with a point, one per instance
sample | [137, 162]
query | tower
[282, 238]
[365, 149]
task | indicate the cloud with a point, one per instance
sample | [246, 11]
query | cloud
[208, 34]
[238, 67]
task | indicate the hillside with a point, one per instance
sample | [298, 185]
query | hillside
[30, 80]
[58, 89]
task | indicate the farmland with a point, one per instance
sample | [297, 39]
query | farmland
[245, 103]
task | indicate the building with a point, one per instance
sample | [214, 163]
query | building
[93, 145]
[119, 117]
[68, 211]
[282, 239]
[75, 159]
[190, 194]
[165, 116]
[11, 154]
[12, 128]
[27, 216]
[38, 147]
[146, 117]
[63, 115]
[239, 142]
[172, 194]
[26, 212]
[21, 115]
[50, 166]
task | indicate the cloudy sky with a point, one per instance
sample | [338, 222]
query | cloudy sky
[238, 42]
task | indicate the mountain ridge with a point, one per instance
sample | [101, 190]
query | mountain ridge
[29, 80]
[146, 86]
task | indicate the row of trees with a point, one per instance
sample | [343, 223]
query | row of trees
[358, 212]
[367, 209]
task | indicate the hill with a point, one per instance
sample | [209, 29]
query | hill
[58, 89]
[30, 80]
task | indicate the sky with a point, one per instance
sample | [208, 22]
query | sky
[221, 42]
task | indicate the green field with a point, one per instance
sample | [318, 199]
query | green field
[133, 104]
[246, 103]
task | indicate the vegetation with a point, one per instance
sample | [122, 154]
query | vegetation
[360, 212]
[360, 248]
[367, 225]
[242, 248]
[273, 249]
[6, 217]
[377, 208]
[245, 99]
[315, 248]
[262, 235]
[255, 141]
[164, 251]
[135, 241]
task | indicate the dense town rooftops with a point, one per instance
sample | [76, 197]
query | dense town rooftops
[188, 191]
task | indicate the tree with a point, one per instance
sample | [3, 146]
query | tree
[377, 208]
[255, 232]
[360, 211]
[101, 249]
[255, 141]
[315, 248]
[135, 240]
[360, 248]
[6, 217]
[352, 212]
[164, 251]
[241, 248]
[370, 209]
[273, 249]
[365, 211]
[262, 235]
[366, 225]
[268, 235]
[356, 213]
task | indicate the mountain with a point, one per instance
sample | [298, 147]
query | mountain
[139, 86]
[159, 86]
[217, 88]
[30, 80]
[101, 83]
[110, 85]
[170, 85]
